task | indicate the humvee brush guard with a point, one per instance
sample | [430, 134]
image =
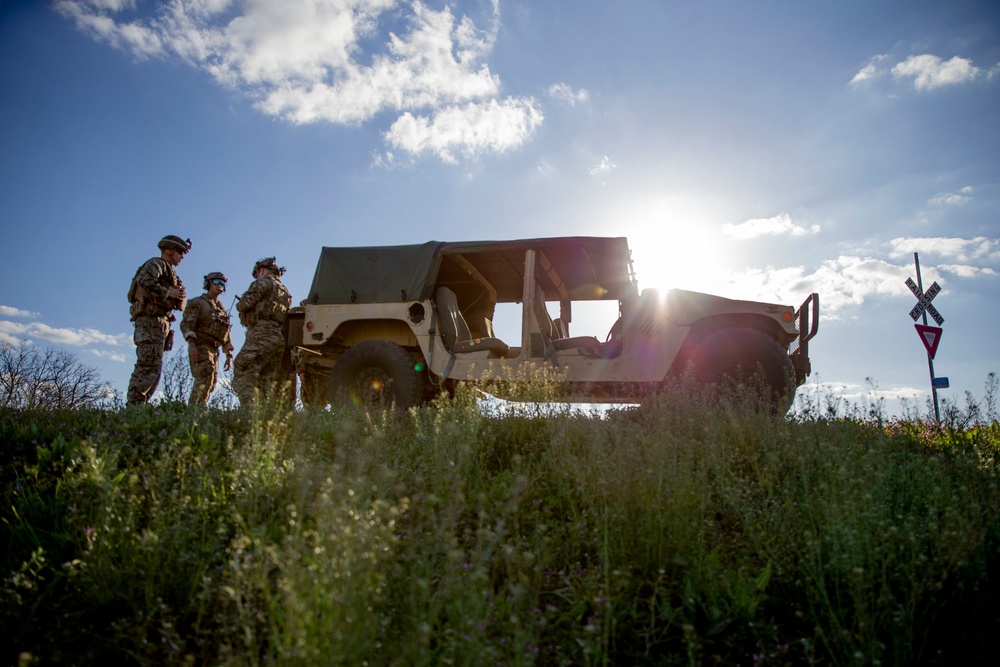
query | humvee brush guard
[392, 326]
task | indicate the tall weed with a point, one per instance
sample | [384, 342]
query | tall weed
[688, 530]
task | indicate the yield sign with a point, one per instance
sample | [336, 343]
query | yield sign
[931, 336]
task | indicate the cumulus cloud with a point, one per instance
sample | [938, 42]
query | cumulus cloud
[840, 395]
[870, 71]
[337, 61]
[929, 71]
[843, 282]
[10, 311]
[926, 70]
[966, 271]
[493, 126]
[849, 280]
[564, 93]
[15, 332]
[978, 249]
[69, 336]
[12, 329]
[952, 198]
[111, 356]
[779, 225]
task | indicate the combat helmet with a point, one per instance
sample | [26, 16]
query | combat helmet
[215, 275]
[268, 263]
[171, 242]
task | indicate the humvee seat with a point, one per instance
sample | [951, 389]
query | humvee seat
[455, 330]
[588, 345]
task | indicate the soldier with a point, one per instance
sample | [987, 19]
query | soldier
[263, 310]
[155, 293]
[205, 327]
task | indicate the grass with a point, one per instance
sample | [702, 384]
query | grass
[677, 533]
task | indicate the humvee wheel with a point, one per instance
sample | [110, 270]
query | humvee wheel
[376, 374]
[738, 355]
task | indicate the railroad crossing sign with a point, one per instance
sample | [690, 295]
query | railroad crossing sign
[924, 301]
[930, 336]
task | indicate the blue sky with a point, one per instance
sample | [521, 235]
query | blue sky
[758, 150]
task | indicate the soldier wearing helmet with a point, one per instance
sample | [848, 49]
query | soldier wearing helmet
[206, 327]
[263, 309]
[155, 293]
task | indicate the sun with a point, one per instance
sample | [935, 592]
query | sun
[676, 242]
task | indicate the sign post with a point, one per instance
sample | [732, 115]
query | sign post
[930, 336]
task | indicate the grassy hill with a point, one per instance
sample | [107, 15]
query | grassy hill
[675, 533]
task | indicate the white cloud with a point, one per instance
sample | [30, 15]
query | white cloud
[604, 166]
[313, 60]
[870, 71]
[966, 271]
[16, 331]
[824, 392]
[471, 129]
[778, 225]
[74, 336]
[952, 198]
[979, 248]
[564, 93]
[13, 328]
[849, 280]
[842, 282]
[111, 356]
[10, 311]
[112, 5]
[929, 71]
[7, 338]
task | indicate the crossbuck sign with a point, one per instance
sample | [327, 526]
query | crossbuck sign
[929, 336]
[924, 301]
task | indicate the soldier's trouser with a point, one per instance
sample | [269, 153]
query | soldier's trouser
[258, 364]
[150, 337]
[205, 372]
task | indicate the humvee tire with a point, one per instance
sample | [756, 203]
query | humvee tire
[376, 374]
[743, 355]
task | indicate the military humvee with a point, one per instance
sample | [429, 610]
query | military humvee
[394, 325]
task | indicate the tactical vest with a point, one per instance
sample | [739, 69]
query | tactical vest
[144, 302]
[272, 307]
[215, 328]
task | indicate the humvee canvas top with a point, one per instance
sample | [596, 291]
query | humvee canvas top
[582, 268]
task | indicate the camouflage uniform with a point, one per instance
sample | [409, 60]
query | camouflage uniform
[207, 322]
[151, 310]
[263, 310]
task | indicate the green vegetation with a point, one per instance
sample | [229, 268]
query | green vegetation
[677, 533]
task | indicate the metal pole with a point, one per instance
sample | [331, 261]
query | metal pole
[930, 360]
